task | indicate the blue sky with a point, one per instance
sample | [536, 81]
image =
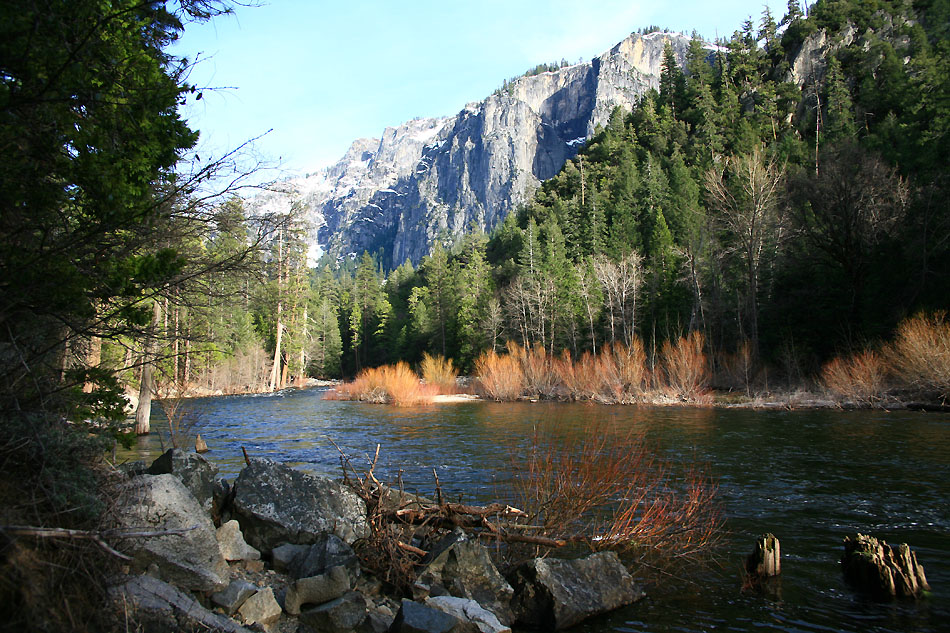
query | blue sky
[323, 73]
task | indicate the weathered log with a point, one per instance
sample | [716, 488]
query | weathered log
[765, 560]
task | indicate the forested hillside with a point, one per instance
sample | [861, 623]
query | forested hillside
[785, 195]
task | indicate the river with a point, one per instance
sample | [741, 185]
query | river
[810, 477]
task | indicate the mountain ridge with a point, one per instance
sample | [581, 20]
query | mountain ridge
[433, 178]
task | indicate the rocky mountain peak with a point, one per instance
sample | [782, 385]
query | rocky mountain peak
[429, 179]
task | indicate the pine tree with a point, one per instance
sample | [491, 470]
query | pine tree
[838, 120]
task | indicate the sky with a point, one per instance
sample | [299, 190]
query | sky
[316, 75]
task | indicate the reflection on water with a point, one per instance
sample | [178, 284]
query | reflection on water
[811, 477]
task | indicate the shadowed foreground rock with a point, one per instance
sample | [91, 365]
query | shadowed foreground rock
[276, 504]
[158, 606]
[881, 570]
[552, 594]
[418, 618]
[468, 611]
[315, 583]
[463, 568]
[191, 559]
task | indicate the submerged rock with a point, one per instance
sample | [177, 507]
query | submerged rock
[882, 570]
[276, 504]
[553, 594]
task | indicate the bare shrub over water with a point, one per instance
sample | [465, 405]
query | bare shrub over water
[610, 491]
[860, 378]
[595, 488]
[920, 354]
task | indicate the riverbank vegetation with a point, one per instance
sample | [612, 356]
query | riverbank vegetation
[914, 366]
[785, 216]
[593, 489]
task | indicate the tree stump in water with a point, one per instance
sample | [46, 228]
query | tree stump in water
[200, 445]
[765, 560]
[882, 570]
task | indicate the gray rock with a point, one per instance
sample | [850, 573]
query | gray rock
[234, 596]
[277, 504]
[463, 568]
[882, 570]
[375, 622]
[191, 559]
[197, 473]
[418, 618]
[261, 609]
[283, 556]
[468, 611]
[328, 551]
[554, 594]
[232, 543]
[317, 589]
[159, 607]
[342, 615]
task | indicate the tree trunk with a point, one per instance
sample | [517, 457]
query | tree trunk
[275, 369]
[93, 358]
[144, 410]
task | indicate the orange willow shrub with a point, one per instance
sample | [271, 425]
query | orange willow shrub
[624, 371]
[611, 491]
[540, 377]
[580, 379]
[860, 378]
[686, 368]
[920, 354]
[394, 384]
[500, 376]
[439, 372]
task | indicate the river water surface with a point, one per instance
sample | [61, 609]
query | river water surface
[810, 477]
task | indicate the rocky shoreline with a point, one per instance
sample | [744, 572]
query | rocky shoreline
[274, 551]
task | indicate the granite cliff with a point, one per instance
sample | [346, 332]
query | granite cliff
[434, 178]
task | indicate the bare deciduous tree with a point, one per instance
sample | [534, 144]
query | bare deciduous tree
[847, 209]
[621, 281]
[744, 192]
